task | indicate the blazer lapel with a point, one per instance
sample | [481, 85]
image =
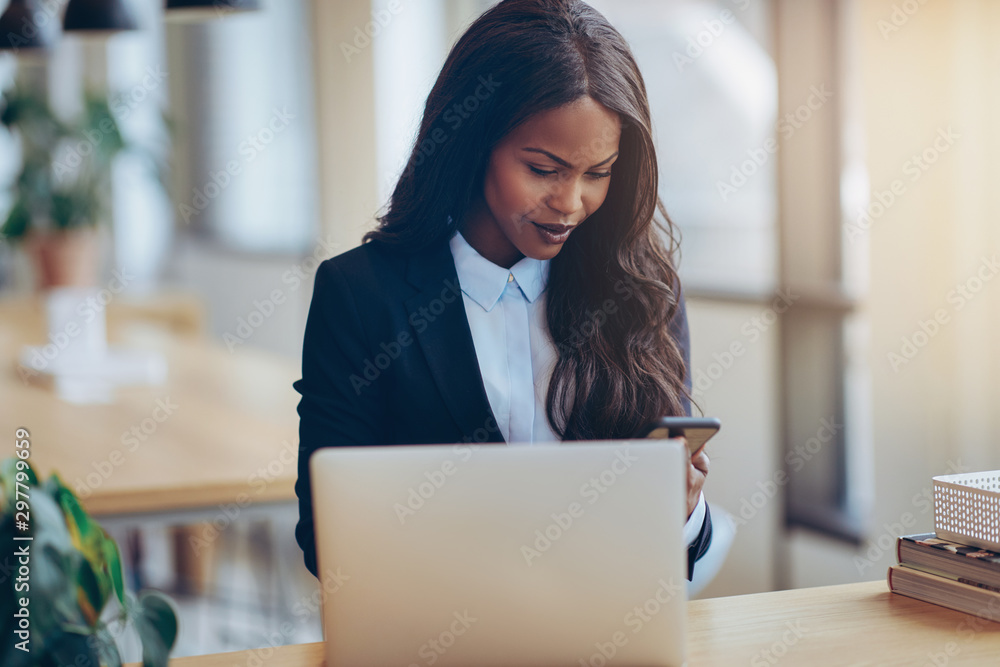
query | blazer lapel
[437, 314]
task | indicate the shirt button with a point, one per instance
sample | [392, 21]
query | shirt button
[510, 277]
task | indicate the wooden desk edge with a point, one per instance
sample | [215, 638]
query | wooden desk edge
[864, 589]
[180, 498]
[293, 655]
[311, 655]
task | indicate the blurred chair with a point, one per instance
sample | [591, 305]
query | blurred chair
[722, 539]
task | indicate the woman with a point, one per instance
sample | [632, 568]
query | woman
[519, 288]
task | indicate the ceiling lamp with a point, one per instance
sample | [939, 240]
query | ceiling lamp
[202, 10]
[98, 16]
[25, 25]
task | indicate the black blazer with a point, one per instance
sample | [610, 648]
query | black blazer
[388, 358]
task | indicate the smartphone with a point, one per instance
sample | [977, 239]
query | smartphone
[697, 430]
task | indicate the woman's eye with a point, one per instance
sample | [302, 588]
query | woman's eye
[594, 174]
[541, 172]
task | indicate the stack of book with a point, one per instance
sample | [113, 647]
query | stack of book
[949, 574]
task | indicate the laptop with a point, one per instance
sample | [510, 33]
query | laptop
[553, 554]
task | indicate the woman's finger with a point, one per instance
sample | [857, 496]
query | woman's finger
[701, 461]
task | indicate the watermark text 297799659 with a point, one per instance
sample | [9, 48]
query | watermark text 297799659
[22, 445]
[22, 540]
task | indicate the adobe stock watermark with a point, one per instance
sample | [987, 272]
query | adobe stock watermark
[885, 543]
[331, 582]
[258, 482]
[87, 311]
[635, 620]
[787, 126]
[417, 496]
[131, 440]
[459, 112]
[965, 632]
[435, 647]
[482, 434]
[752, 330]
[47, 19]
[911, 345]
[261, 657]
[123, 104]
[915, 166]
[796, 460]
[265, 307]
[456, 115]
[592, 490]
[373, 367]
[712, 30]
[627, 288]
[899, 17]
[773, 654]
[249, 149]
[364, 35]
[71, 156]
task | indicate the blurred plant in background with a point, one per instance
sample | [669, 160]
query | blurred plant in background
[73, 571]
[63, 190]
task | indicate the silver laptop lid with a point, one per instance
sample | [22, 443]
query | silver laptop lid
[561, 554]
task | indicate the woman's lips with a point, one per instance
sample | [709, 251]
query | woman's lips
[554, 234]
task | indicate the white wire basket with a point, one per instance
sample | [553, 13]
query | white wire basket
[967, 509]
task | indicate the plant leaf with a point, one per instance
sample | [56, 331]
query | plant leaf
[101, 573]
[79, 524]
[55, 564]
[156, 622]
[70, 646]
[113, 563]
[10, 656]
[18, 220]
[107, 647]
[89, 595]
[75, 566]
[56, 195]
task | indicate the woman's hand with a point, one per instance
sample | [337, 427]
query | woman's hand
[697, 472]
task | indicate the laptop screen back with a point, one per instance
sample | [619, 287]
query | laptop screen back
[561, 554]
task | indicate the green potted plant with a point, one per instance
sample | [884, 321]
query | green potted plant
[59, 581]
[64, 187]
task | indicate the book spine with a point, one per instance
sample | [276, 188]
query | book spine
[977, 584]
[921, 585]
[948, 575]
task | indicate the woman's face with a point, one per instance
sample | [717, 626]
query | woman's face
[543, 180]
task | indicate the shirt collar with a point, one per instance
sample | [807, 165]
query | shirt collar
[485, 281]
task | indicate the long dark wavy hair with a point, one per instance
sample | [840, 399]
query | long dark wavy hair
[519, 58]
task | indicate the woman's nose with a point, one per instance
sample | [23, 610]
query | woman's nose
[566, 196]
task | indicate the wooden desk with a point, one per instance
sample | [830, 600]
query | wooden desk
[231, 434]
[854, 624]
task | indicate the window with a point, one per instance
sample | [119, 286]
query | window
[241, 93]
[712, 89]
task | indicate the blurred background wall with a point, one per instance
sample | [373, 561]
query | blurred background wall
[929, 84]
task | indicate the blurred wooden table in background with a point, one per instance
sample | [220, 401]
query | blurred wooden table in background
[221, 431]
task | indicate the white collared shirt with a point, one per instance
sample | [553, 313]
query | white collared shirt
[506, 313]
